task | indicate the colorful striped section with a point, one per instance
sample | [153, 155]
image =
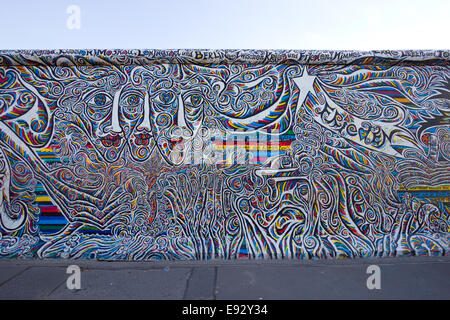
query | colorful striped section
[51, 220]
[49, 156]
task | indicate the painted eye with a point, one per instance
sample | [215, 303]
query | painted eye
[196, 99]
[132, 106]
[100, 100]
[133, 100]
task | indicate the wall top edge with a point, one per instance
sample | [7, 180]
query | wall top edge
[68, 57]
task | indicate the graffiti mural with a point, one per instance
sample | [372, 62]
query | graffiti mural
[197, 154]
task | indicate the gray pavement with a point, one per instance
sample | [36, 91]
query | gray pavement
[401, 278]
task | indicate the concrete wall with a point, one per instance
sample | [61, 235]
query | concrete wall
[189, 154]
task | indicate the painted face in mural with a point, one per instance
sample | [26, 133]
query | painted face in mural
[180, 135]
[140, 116]
[123, 121]
[117, 113]
[167, 110]
[141, 139]
[144, 123]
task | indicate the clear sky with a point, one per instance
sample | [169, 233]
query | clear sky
[230, 24]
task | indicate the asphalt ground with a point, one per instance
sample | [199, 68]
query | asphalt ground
[399, 278]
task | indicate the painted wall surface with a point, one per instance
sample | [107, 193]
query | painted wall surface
[197, 154]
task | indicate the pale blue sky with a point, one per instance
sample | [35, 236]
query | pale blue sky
[231, 24]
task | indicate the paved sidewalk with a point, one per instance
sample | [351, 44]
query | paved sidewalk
[401, 278]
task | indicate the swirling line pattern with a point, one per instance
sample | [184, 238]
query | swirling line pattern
[202, 154]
